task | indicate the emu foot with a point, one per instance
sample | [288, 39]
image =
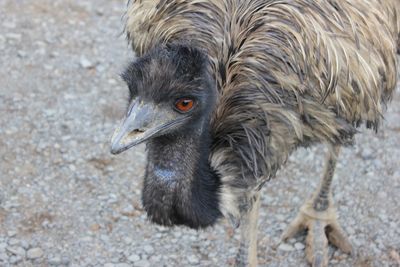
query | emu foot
[322, 226]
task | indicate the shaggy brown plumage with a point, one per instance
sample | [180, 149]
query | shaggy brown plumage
[288, 73]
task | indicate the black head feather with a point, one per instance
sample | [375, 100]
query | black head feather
[168, 71]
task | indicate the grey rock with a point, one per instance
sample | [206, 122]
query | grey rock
[350, 230]
[101, 68]
[285, 247]
[299, 246]
[127, 240]
[54, 54]
[13, 241]
[9, 24]
[193, 260]
[86, 63]
[148, 249]
[134, 258]
[86, 239]
[24, 244]
[383, 217]
[367, 153]
[34, 253]
[22, 54]
[15, 250]
[3, 257]
[65, 260]
[100, 12]
[14, 36]
[72, 167]
[49, 112]
[128, 209]
[55, 261]
[15, 259]
[105, 238]
[41, 51]
[11, 233]
[3, 246]
[142, 263]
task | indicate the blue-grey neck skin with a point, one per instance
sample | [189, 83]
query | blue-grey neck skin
[179, 186]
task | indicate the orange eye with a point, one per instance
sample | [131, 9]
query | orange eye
[184, 104]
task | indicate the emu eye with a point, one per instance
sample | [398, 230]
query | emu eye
[184, 104]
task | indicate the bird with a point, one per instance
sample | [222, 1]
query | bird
[223, 91]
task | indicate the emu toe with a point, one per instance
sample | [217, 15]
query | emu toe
[322, 227]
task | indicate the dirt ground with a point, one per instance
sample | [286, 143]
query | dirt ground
[65, 201]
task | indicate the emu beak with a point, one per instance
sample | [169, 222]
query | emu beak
[141, 122]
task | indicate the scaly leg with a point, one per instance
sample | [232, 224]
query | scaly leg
[247, 254]
[318, 215]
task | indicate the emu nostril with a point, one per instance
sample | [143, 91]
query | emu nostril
[135, 132]
[138, 131]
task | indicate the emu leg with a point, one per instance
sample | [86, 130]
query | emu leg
[247, 254]
[318, 215]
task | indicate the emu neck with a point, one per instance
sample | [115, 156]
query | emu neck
[180, 187]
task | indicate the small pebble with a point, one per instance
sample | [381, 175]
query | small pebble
[3, 257]
[14, 36]
[34, 253]
[367, 153]
[285, 247]
[134, 258]
[9, 24]
[11, 233]
[127, 240]
[55, 261]
[142, 263]
[13, 242]
[105, 238]
[85, 63]
[16, 251]
[24, 244]
[22, 54]
[3, 246]
[65, 260]
[299, 246]
[193, 259]
[148, 249]
[15, 259]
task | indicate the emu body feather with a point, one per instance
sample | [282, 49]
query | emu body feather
[288, 73]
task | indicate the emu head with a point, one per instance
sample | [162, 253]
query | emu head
[171, 92]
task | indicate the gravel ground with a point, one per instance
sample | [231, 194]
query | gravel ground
[65, 201]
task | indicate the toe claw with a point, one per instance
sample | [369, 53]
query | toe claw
[318, 261]
[337, 237]
[293, 228]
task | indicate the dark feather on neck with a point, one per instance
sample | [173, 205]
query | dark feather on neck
[180, 187]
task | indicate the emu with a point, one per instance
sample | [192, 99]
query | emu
[223, 91]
